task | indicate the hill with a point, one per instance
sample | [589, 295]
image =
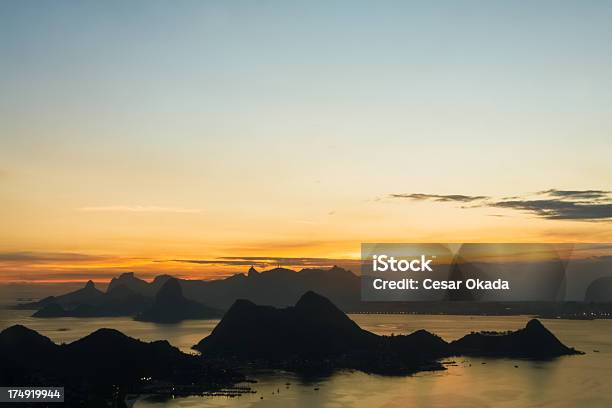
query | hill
[315, 332]
[314, 326]
[170, 306]
[88, 295]
[534, 341]
[102, 367]
[277, 287]
[119, 300]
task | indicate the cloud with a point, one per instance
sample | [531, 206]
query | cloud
[560, 209]
[24, 266]
[141, 209]
[27, 256]
[32, 266]
[218, 262]
[552, 204]
[577, 194]
[271, 261]
[264, 246]
[439, 197]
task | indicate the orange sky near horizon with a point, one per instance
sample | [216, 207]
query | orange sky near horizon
[63, 267]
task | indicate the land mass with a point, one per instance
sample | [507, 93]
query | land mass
[312, 336]
[316, 334]
[104, 366]
[170, 306]
[128, 295]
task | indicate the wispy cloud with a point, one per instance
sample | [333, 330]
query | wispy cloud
[439, 197]
[271, 261]
[560, 209]
[225, 262]
[553, 204]
[578, 194]
[39, 266]
[28, 256]
[140, 209]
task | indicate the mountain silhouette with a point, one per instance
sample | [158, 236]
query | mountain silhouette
[170, 306]
[129, 280]
[276, 287]
[20, 342]
[119, 300]
[52, 310]
[22, 352]
[313, 326]
[252, 272]
[534, 341]
[315, 330]
[88, 295]
[103, 366]
[600, 290]
[279, 287]
[137, 285]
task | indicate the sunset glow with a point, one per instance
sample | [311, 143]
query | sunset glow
[210, 130]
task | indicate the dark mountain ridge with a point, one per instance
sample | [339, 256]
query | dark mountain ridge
[88, 295]
[102, 366]
[129, 280]
[534, 341]
[314, 326]
[315, 331]
[119, 300]
[170, 306]
[279, 287]
[129, 295]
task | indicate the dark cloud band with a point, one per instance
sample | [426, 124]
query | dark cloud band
[266, 261]
[553, 204]
[560, 209]
[440, 197]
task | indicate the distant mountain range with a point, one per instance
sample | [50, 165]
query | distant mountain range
[276, 287]
[119, 300]
[170, 306]
[128, 295]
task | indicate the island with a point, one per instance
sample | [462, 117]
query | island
[314, 334]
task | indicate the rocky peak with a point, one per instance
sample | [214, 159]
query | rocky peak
[170, 292]
[252, 272]
[314, 302]
[535, 325]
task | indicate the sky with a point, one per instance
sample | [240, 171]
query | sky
[200, 137]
